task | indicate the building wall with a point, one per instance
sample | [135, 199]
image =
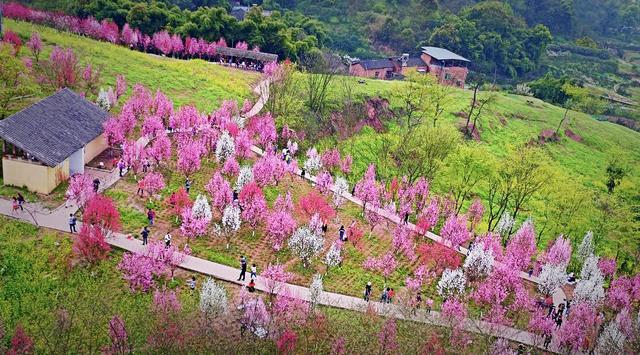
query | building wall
[359, 70]
[94, 148]
[34, 176]
[456, 75]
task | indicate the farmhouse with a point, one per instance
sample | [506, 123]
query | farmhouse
[448, 67]
[51, 140]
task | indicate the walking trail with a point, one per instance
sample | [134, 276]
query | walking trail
[58, 219]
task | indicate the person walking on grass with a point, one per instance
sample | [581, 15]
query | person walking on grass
[145, 235]
[341, 233]
[390, 295]
[187, 185]
[192, 283]
[140, 188]
[151, 216]
[121, 168]
[367, 291]
[72, 223]
[243, 268]
[21, 201]
[254, 271]
[167, 240]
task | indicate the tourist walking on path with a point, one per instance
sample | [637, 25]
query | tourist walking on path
[140, 188]
[167, 240]
[417, 304]
[15, 205]
[145, 235]
[96, 184]
[254, 271]
[243, 268]
[72, 223]
[252, 286]
[121, 168]
[367, 291]
[151, 216]
[429, 304]
[21, 201]
[385, 295]
[390, 295]
[341, 233]
[187, 185]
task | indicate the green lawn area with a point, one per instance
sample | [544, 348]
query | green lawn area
[184, 81]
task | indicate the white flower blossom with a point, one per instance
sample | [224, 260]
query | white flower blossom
[231, 219]
[479, 262]
[305, 244]
[201, 208]
[313, 162]
[315, 290]
[586, 246]
[103, 100]
[452, 282]
[333, 257]
[225, 147]
[551, 277]
[213, 298]
[245, 176]
[590, 287]
[341, 187]
[505, 224]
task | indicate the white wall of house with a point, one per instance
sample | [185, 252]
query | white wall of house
[76, 162]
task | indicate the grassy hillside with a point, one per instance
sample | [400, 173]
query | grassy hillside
[186, 82]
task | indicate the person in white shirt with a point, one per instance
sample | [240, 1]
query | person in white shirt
[167, 240]
[254, 271]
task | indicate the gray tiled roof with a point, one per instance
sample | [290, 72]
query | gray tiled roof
[415, 62]
[53, 129]
[369, 64]
[442, 54]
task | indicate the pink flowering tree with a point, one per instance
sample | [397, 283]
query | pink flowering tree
[455, 230]
[428, 218]
[330, 159]
[559, 253]
[275, 277]
[387, 337]
[162, 41]
[242, 45]
[403, 242]
[254, 206]
[475, 212]
[607, 267]
[345, 165]
[91, 246]
[265, 130]
[152, 126]
[280, 225]
[521, 247]
[189, 157]
[35, 45]
[220, 191]
[578, 331]
[176, 45]
[243, 143]
[367, 189]
[385, 265]
[121, 86]
[153, 182]
[454, 311]
[160, 149]
[541, 326]
[269, 169]
[80, 189]
[119, 338]
[324, 181]
[192, 226]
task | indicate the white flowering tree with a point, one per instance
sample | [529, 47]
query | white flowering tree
[103, 100]
[225, 147]
[590, 287]
[315, 290]
[586, 248]
[305, 244]
[213, 299]
[245, 176]
[201, 209]
[505, 224]
[313, 163]
[341, 187]
[479, 262]
[230, 223]
[551, 277]
[451, 282]
[333, 257]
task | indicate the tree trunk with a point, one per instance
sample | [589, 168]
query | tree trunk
[564, 118]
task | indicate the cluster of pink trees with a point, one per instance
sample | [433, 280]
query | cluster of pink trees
[140, 269]
[160, 42]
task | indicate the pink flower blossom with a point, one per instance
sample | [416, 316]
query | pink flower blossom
[607, 266]
[385, 264]
[455, 230]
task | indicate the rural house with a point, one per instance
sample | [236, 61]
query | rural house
[51, 140]
[448, 67]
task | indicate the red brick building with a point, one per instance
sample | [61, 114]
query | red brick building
[448, 67]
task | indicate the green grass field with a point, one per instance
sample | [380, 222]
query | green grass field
[185, 81]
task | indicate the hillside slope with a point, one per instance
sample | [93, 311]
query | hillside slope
[186, 82]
